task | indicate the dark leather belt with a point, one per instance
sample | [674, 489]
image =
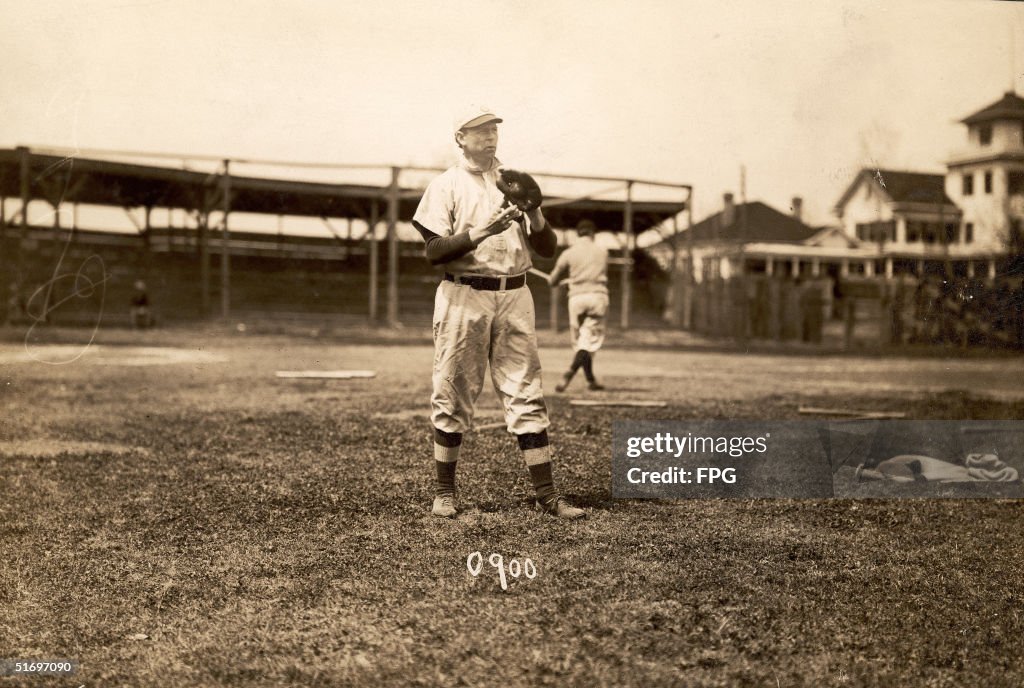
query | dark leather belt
[484, 283]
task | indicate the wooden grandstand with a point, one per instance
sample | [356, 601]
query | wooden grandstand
[69, 274]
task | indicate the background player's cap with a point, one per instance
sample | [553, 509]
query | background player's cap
[586, 228]
[474, 116]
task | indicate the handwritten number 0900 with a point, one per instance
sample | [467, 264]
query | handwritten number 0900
[475, 564]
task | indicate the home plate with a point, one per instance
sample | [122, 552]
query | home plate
[324, 374]
[616, 402]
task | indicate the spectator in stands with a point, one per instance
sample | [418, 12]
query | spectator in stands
[16, 306]
[141, 315]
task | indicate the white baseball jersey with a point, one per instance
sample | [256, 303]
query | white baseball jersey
[462, 198]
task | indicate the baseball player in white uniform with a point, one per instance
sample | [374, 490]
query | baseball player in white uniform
[586, 264]
[483, 312]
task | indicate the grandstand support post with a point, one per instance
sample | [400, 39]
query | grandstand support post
[627, 263]
[393, 248]
[225, 249]
[26, 189]
[3, 240]
[371, 233]
[202, 244]
[673, 301]
[691, 281]
[26, 198]
[147, 239]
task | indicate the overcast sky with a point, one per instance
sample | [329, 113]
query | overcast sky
[801, 93]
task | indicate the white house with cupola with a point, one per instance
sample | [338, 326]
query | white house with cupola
[890, 222]
[964, 219]
[986, 177]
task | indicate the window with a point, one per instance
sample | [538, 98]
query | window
[985, 134]
[968, 232]
[913, 231]
[951, 233]
[969, 184]
[876, 231]
[988, 182]
[1015, 183]
[930, 233]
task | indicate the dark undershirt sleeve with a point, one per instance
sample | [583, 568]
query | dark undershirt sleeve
[441, 249]
[544, 242]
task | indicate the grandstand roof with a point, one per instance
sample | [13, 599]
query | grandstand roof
[73, 179]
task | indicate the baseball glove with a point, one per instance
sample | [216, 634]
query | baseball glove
[520, 189]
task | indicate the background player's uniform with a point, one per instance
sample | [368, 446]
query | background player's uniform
[587, 266]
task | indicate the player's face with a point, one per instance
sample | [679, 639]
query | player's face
[480, 143]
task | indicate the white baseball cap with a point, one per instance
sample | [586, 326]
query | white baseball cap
[474, 116]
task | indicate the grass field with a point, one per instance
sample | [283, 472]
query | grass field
[174, 515]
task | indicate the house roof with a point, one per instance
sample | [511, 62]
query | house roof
[761, 224]
[913, 187]
[824, 233]
[901, 187]
[1010, 106]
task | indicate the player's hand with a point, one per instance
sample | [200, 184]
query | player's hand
[500, 220]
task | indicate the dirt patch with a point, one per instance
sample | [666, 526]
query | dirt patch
[49, 449]
[106, 355]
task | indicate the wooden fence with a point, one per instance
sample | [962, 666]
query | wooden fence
[862, 312]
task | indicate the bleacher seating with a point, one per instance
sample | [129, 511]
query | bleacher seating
[299, 277]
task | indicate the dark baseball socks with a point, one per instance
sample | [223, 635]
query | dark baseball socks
[538, 461]
[582, 359]
[537, 454]
[446, 457]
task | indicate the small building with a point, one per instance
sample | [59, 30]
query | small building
[755, 238]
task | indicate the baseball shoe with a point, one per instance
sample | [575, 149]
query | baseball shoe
[595, 386]
[564, 384]
[559, 507]
[444, 506]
